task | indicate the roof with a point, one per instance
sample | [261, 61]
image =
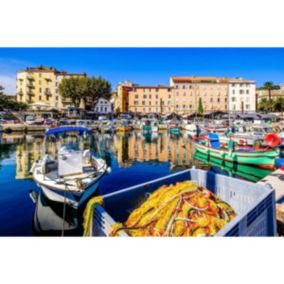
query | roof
[64, 129]
[48, 69]
[196, 79]
[152, 87]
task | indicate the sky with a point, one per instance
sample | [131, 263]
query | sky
[149, 66]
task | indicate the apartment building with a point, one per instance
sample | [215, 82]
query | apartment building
[151, 99]
[213, 92]
[242, 95]
[39, 86]
[121, 96]
[183, 94]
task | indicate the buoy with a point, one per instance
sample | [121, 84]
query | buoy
[272, 140]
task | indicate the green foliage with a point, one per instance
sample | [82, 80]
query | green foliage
[86, 89]
[9, 103]
[273, 105]
[200, 107]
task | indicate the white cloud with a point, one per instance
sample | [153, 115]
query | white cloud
[9, 83]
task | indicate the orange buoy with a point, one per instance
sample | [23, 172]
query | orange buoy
[272, 140]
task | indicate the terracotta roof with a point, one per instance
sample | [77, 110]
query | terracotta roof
[196, 79]
[153, 87]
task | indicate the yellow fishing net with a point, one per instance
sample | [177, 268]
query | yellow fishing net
[183, 209]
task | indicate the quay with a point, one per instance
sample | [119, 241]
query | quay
[276, 180]
[23, 128]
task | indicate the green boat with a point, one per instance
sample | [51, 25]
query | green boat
[247, 172]
[260, 157]
[174, 130]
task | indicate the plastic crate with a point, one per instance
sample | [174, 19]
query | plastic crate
[253, 203]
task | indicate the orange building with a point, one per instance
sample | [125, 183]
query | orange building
[151, 99]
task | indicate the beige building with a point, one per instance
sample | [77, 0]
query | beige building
[213, 92]
[151, 99]
[183, 94]
[39, 87]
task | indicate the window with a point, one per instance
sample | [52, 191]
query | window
[40, 90]
[176, 86]
[105, 109]
[144, 96]
[157, 96]
[170, 96]
[56, 98]
[149, 109]
[184, 106]
[157, 90]
[211, 100]
[233, 99]
[247, 106]
[233, 85]
[39, 82]
[247, 92]
[184, 87]
[136, 96]
[190, 106]
[135, 102]
[241, 92]
[39, 98]
[233, 92]
[143, 103]
[190, 86]
[176, 106]
[56, 91]
[218, 100]
[150, 103]
[150, 96]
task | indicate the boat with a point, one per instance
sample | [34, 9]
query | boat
[123, 126]
[74, 176]
[263, 157]
[245, 135]
[149, 126]
[173, 128]
[194, 130]
[246, 172]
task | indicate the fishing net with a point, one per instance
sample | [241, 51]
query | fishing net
[183, 209]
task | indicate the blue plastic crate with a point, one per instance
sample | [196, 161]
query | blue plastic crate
[253, 203]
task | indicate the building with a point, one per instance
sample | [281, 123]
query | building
[242, 95]
[121, 96]
[103, 106]
[39, 87]
[213, 92]
[183, 94]
[151, 99]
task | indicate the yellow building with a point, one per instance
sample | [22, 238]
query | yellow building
[121, 96]
[39, 87]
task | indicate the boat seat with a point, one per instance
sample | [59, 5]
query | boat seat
[214, 140]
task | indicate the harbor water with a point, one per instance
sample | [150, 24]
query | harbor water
[134, 158]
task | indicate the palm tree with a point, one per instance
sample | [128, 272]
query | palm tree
[269, 86]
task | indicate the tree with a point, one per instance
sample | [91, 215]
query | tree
[97, 88]
[7, 102]
[86, 89]
[262, 105]
[73, 89]
[269, 86]
[200, 107]
[278, 104]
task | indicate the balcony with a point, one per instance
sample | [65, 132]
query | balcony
[30, 78]
[30, 93]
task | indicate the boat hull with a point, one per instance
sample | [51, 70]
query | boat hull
[258, 158]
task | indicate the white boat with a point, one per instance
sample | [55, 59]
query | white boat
[193, 130]
[72, 177]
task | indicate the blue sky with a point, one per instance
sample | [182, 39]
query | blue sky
[147, 65]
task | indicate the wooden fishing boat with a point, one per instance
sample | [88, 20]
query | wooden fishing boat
[262, 157]
[174, 128]
[246, 172]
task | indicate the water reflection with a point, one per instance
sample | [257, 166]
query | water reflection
[134, 158]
